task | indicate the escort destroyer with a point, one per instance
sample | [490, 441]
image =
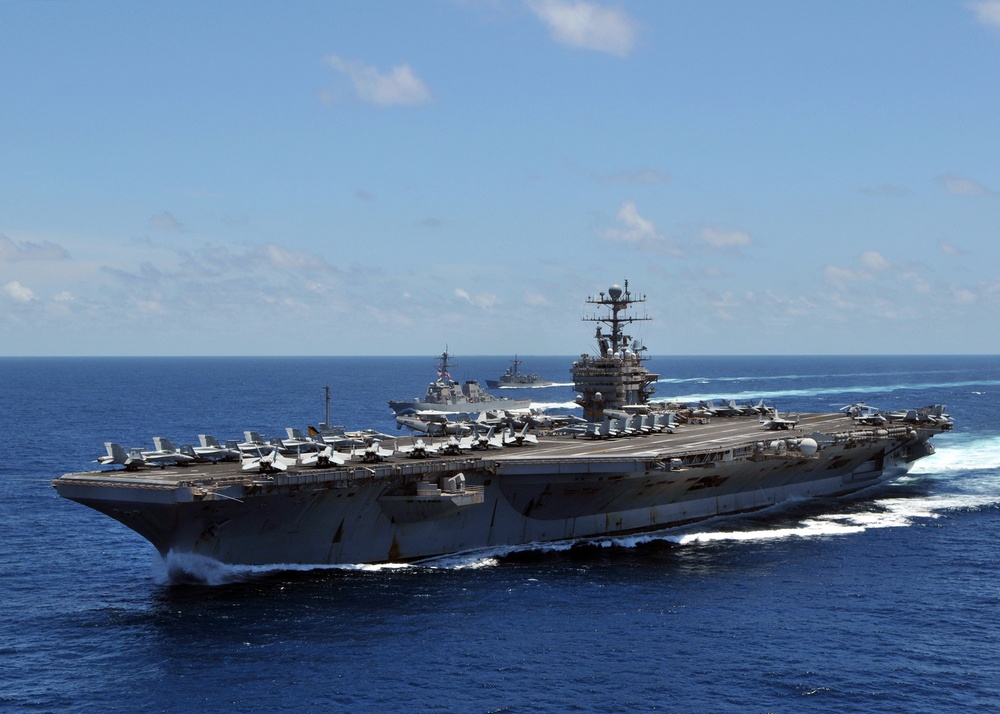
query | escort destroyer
[513, 377]
[446, 395]
[632, 465]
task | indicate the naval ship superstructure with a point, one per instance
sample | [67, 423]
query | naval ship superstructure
[514, 377]
[626, 470]
[447, 395]
[614, 379]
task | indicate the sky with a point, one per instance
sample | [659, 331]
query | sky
[393, 177]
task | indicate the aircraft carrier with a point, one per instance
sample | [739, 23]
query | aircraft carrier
[634, 465]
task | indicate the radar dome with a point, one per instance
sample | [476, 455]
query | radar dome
[808, 446]
[615, 291]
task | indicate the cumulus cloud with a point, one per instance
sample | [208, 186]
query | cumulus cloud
[269, 256]
[725, 240]
[18, 292]
[235, 274]
[873, 260]
[288, 260]
[964, 186]
[400, 85]
[636, 230]
[587, 25]
[483, 300]
[987, 12]
[870, 264]
[841, 276]
[11, 250]
[963, 296]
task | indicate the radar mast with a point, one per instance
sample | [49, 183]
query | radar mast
[618, 300]
[616, 378]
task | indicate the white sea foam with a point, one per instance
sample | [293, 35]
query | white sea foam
[970, 467]
[958, 453]
[806, 530]
[465, 561]
[193, 568]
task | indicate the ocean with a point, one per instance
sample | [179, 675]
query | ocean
[887, 601]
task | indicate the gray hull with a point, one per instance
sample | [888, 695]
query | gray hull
[494, 384]
[561, 489]
[460, 407]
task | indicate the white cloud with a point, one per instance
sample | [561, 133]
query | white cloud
[950, 249]
[724, 305]
[638, 231]
[18, 292]
[587, 25]
[285, 259]
[12, 250]
[725, 239]
[483, 300]
[151, 307]
[841, 276]
[873, 260]
[964, 186]
[535, 300]
[963, 296]
[400, 85]
[986, 12]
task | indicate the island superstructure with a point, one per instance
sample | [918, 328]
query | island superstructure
[633, 466]
[616, 377]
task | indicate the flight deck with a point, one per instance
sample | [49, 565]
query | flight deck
[713, 436]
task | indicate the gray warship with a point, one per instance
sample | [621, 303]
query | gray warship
[446, 395]
[634, 465]
[513, 377]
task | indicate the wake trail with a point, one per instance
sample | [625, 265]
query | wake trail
[828, 391]
[960, 453]
[199, 570]
[967, 475]
[788, 377]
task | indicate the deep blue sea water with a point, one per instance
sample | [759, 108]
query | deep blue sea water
[885, 602]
